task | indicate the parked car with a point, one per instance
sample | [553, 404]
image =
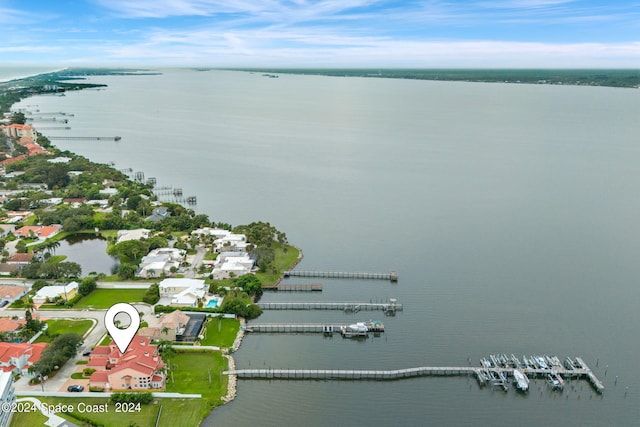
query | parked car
[86, 354]
[4, 302]
[75, 388]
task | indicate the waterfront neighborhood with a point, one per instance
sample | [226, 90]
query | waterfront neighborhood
[192, 281]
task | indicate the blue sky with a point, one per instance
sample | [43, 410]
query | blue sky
[322, 33]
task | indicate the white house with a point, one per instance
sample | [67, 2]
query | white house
[7, 397]
[231, 242]
[218, 233]
[160, 261]
[50, 293]
[137, 234]
[184, 292]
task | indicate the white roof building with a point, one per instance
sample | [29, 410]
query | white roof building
[207, 231]
[173, 287]
[137, 234]
[51, 292]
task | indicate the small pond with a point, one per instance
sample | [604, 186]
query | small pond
[90, 252]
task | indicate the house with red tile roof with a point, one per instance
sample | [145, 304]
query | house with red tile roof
[19, 357]
[20, 259]
[8, 324]
[41, 231]
[18, 131]
[139, 368]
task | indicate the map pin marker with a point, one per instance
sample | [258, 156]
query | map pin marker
[122, 337]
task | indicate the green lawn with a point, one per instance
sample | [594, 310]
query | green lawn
[28, 419]
[190, 373]
[283, 261]
[223, 337]
[57, 327]
[105, 298]
[145, 418]
[183, 412]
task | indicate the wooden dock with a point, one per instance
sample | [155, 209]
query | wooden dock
[584, 372]
[355, 307]
[315, 287]
[326, 328]
[392, 275]
[86, 138]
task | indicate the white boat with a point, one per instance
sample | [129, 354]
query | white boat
[520, 379]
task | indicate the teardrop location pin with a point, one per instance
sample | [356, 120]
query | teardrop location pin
[122, 337]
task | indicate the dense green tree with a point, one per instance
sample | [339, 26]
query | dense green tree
[18, 118]
[130, 251]
[250, 284]
[87, 285]
[126, 271]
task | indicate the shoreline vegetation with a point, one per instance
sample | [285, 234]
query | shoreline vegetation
[270, 244]
[621, 78]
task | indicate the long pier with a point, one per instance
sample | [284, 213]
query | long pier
[392, 275]
[326, 328]
[391, 306]
[86, 138]
[583, 372]
[316, 287]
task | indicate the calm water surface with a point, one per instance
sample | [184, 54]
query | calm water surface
[88, 251]
[509, 211]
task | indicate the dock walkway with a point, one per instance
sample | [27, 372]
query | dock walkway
[583, 372]
[392, 275]
[345, 306]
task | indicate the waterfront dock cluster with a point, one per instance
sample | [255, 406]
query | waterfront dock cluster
[497, 375]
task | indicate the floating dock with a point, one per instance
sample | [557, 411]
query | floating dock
[390, 307]
[392, 275]
[492, 375]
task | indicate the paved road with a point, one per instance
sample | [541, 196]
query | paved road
[93, 338]
[196, 261]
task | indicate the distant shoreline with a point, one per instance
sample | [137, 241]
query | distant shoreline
[620, 78]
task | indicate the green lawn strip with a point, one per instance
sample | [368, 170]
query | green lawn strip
[57, 327]
[28, 419]
[106, 340]
[283, 261]
[77, 376]
[190, 374]
[145, 418]
[56, 259]
[105, 298]
[183, 412]
[223, 337]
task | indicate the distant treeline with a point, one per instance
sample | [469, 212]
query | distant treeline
[586, 77]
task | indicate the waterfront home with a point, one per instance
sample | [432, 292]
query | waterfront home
[232, 264]
[170, 326]
[19, 131]
[139, 368]
[218, 233]
[7, 397]
[172, 287]
[19, 357]
[137, 234]
[42, 232]
[20, 259]
[231, 242]
[51, 293]
[159, 214]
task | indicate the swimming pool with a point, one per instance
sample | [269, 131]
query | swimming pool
[214, 302]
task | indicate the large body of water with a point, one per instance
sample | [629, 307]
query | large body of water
[509, 211]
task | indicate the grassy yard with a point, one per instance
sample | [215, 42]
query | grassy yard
[145, 418]
[283, 261]
[223, 337]
[28, 419]
[57, 327]
[190, 373]
[183, 412]
[105, 298]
